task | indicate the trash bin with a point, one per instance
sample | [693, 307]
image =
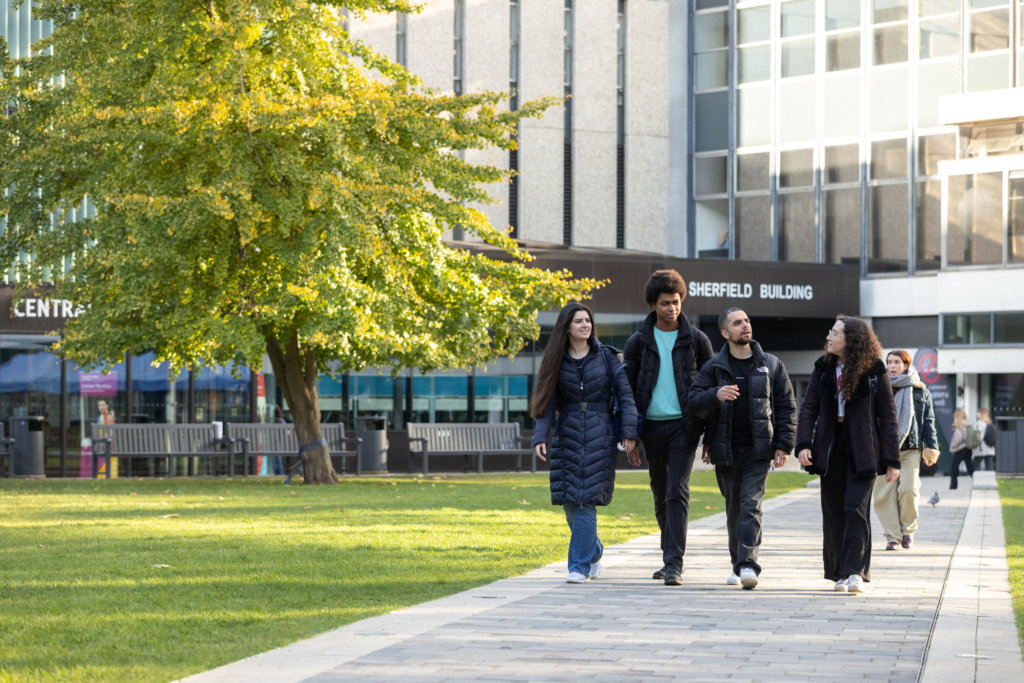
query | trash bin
[28, 449]
[373, 451]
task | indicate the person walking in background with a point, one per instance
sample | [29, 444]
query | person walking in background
[896, 502]
[662, 360]
[984, 456]
[747, 399]
[578, 380]
[958, 447]
[846, 432]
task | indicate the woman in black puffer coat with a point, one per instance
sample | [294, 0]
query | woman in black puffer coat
[578, 381]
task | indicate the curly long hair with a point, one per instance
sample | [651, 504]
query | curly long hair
[861, 354]
[551, 363]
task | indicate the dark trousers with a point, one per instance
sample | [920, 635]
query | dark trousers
[669, 464]
[962, 455]
[743, 488]
[845, 510]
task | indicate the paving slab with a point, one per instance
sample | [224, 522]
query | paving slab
[938, 612]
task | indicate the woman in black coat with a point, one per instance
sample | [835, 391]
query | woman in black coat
[578, 381]
[847, 433]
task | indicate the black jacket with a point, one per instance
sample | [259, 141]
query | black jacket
[870, 424]
[772, 406]
[583, 451]
[691, 350]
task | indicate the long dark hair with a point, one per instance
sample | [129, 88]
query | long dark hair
[862, 352]
[551, 363]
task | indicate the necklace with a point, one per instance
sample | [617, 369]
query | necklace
[575, 356]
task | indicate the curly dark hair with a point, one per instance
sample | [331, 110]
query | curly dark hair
[551, 362]
[664, 282]
[862, 352]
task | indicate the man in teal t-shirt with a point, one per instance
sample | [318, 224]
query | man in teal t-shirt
[662, 360]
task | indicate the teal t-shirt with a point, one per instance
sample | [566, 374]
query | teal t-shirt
[665, 400]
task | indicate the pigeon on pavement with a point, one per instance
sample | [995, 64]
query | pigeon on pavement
[934, 499]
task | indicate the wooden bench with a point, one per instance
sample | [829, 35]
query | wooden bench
[6, 451]
[160, 441]
[468, 439]
[278, 439]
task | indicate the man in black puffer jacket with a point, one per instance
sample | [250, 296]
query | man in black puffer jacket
[662, 359]
[747, 399]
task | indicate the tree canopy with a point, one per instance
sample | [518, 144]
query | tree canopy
[219, 179]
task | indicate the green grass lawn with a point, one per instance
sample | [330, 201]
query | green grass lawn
[152, 580]
[1011, 493]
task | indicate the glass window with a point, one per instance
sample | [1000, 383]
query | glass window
[841, 14]
[888, 159]
[755, 63]
[1009, 328]
[982, 4]
[967, 329]
[752, 172]
[754, 24]
[796, 168]
[796, 227]
[928, 230]
[798, 58]
[712, 118]
[709, 175]
[888, 10]
[797, 18]
[991, 72]
[891, 44]
[708, 4]
[974, 219]
[889, 113]
[887, 228]
[934, 79]
[710, 31]
[797, 120]
[990, 30]
[940, 37]
[842, 164]
[842, 51]
[931, 149]
[1015, 230]
[712, 70]
[754, 115]
[927, 8]
[842, 105]
[840, 218]
[753, 227]
[711, 218]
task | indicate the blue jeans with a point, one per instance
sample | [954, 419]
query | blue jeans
[584, 546]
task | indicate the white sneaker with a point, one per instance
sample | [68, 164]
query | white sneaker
[748, 577]
[595, 570]
[576, 577]
[840, 586]
[733, 580]
[855, 584]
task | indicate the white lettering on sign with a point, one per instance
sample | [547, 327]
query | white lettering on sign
[47, 308]
[804, 292]
[718, 290]
[744, 290]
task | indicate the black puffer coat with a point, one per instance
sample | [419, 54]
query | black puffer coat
[872, 436]
[582, 444]
[772, 406]
[691, 350]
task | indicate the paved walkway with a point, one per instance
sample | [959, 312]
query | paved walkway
[939, 612]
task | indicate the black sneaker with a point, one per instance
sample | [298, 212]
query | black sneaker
[673, 578]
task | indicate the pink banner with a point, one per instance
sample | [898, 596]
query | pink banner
[97, 384]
